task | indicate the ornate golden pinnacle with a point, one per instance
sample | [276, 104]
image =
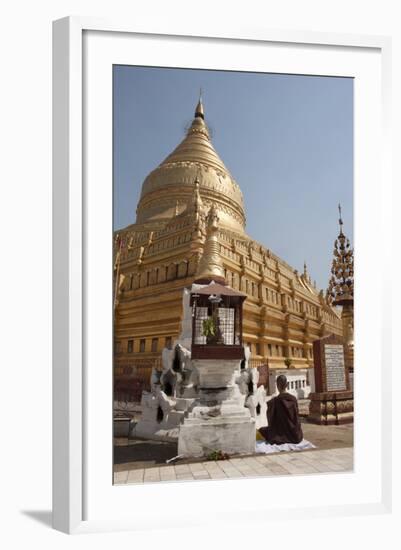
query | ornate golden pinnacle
[211, 266]
[341, 284]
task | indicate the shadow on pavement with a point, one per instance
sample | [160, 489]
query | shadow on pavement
[140, 454]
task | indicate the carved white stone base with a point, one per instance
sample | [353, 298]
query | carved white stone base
[232, 435]
[218, 419]
[153, 432]
[257, 405]
[161, 417]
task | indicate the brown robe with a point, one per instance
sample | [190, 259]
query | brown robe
[283, 419]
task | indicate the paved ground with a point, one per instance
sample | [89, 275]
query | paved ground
[137, 453]
[139, 461]
[295, 463]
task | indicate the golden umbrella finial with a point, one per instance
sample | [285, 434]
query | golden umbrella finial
[340, 221]
[199, 111]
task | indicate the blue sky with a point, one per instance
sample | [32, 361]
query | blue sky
[286, 139]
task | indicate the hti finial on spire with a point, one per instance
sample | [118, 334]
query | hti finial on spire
[199, 112]
[340, 221]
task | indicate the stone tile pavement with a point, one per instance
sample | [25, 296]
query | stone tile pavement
[285, 463]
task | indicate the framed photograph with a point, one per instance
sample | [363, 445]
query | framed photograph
[209, 343]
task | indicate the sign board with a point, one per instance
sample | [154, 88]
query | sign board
[331, 374]
[335, 367]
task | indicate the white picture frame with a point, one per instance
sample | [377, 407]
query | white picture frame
[71, 200]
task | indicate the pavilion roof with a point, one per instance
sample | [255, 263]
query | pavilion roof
[216, 288]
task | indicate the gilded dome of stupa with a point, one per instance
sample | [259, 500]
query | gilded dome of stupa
[169, 189]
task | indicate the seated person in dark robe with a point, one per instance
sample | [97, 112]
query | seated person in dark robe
[283, 417]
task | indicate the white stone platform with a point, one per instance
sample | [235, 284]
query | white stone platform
[218, 419]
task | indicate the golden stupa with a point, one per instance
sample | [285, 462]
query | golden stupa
[160, 254]
[169, 188]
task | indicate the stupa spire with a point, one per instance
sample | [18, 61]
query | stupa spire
[199, 111]
[195, 155]
[211, 266]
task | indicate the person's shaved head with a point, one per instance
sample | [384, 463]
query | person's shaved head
[281, 382]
